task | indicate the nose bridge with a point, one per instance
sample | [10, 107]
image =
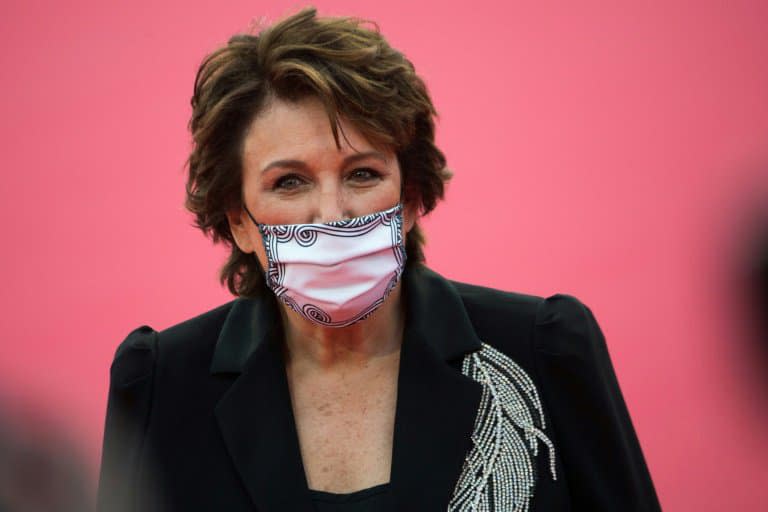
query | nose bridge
[330, 202]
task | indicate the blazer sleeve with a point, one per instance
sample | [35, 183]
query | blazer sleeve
[601, 456]
[128, 407]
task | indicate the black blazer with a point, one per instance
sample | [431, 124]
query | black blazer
[199, 415]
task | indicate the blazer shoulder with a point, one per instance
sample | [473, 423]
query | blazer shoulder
[521, 324]
[134, 358]
[503, 319]
[187, 347]
[195, 333]
[602, 459]
[566, 326]
[145, 362]
[494, 298]
[144, 348]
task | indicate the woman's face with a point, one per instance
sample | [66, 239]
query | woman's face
[293, 173]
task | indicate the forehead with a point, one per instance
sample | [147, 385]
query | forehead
[298, 130]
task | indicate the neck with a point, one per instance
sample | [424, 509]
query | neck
[355, 346]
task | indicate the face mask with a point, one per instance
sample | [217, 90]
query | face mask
[336, 273]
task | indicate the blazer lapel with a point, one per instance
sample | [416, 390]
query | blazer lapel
[436, 404]
[255, 415]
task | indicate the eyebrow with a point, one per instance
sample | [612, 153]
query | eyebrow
[299, 164]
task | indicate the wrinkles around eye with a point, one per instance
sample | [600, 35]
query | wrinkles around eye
[289, 182]
[364, 175]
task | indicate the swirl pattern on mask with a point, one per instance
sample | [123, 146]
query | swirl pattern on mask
[315, 313]
[306, 235]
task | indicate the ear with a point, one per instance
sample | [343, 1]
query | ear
[410, 216]
[239, 226]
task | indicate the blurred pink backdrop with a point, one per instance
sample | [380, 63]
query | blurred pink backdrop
[610, 150]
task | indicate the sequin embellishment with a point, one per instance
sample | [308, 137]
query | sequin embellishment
[499, 472]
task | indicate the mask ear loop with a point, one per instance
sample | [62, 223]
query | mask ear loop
[264, 236]
[258, 225]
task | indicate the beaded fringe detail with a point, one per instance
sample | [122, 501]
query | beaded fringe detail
[499, 473]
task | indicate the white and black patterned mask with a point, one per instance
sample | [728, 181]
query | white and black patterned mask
[336, 273]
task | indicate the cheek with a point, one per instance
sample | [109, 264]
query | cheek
[276, 210]
[375, 199]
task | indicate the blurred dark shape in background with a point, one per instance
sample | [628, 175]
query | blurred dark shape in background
[760, 272]
[40, 469]
[754, 278]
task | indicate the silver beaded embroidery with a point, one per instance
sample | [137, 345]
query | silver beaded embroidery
[499, 473]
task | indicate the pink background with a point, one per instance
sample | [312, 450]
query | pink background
[609, 150]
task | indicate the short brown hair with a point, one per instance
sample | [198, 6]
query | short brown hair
[353, 71]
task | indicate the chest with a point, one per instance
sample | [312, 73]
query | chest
[345, 429]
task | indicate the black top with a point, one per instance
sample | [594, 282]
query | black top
[372, 499]
[199, 415]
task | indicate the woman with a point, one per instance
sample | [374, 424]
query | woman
[347, 376]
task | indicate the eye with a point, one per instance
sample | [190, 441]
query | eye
[288, 182]
[364, 175]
